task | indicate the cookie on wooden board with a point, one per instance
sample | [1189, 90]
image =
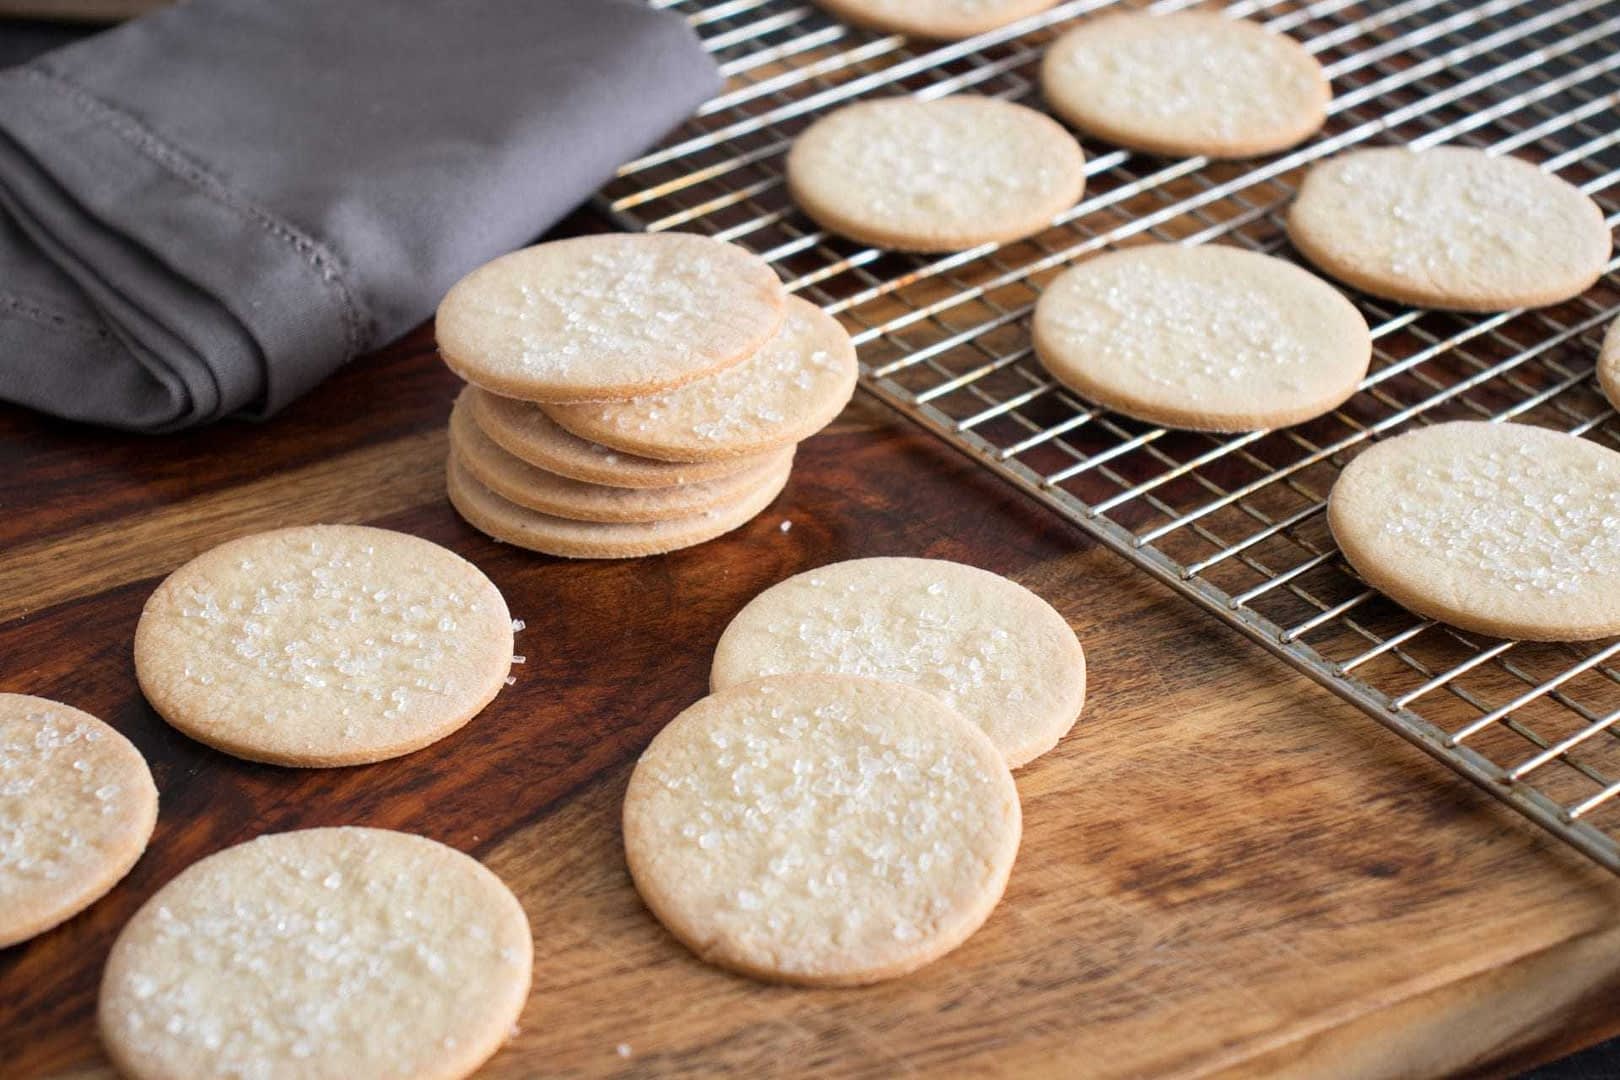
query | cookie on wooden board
[1209, 338]
[524, 430]
[607, 317]
[934, 176]
[822, 830]
[77, 806]
[1186, 84]
[986, 647]
[550, 535]
[324, 953]
[1503, 529]
[323, 645]
[1450, 227]
[789, 390]
[526, 485]
[938, 19]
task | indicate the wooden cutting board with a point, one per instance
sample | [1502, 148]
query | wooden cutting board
[1225, 870]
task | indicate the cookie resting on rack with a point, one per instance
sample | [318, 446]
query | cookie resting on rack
[323, 953]
[1185, 84]
[77, 806]
[938, 19]
[598, 318]
[821, 830]
[1608, 364]
[986, 647]
[1502, 529]
[1209, 338]
[1450, 228]
[935, 176]
[323, 645]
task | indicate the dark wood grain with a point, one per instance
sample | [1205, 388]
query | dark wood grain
[1225, 870]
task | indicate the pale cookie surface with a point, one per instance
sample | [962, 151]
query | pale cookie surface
[820, 829]
[77, 805]
[986, 647]
[941, 19]
[783, 394]
[517, 481]
[1504, 529]
[524, 430]
[1208, 338]
[607, 317]
[1186, 84]
[323, 645]
[506, 521]
[935, 175]
[324, 954]
[1449, 228]
[1608, 364]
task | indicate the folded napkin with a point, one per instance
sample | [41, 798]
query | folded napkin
[203, 212]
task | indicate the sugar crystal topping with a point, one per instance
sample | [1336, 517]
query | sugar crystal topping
[1525, 517]
[322, 627]
[1182, 325]
[911, 164]
[1228, 76]
[280, 955]
[64, 796]
[803, 825]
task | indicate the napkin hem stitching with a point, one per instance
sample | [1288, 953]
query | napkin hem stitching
[26, 309]
[326, 265]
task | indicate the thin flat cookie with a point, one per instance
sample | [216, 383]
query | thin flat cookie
[1186, 84]
[323, 954]
[510, 523]
[986, 647]
[1449, 228]
[1608, 364]
[1503, 529]
[783, 394]
[528, 486]
[1209, 338]
[944, 20]
[933, 176]
[77, 806]
[821, 830]
[607, 317]
[523, 430]
[323, 645]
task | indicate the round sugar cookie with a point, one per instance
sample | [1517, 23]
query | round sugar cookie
[1503, 529]
[550, 535]
[323, 645]
[935, 176]
[1186, 84]
[1209, 338]
[783, 394]
[606, 317]
[519, 482]
[946, 20]
[1608, 364]
[323, 954]
[1449, 228]
[986, 647]
[523, 430]
[821, 830]
[77, 806]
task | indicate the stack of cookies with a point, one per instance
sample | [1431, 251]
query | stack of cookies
[631, 394]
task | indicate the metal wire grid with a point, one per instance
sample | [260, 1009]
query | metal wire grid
[1234, 522]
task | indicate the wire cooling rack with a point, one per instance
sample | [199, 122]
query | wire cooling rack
[1235, 523]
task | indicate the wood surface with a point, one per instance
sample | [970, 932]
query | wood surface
[1225, 871]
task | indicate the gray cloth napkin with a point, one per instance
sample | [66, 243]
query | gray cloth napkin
[205, 211]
